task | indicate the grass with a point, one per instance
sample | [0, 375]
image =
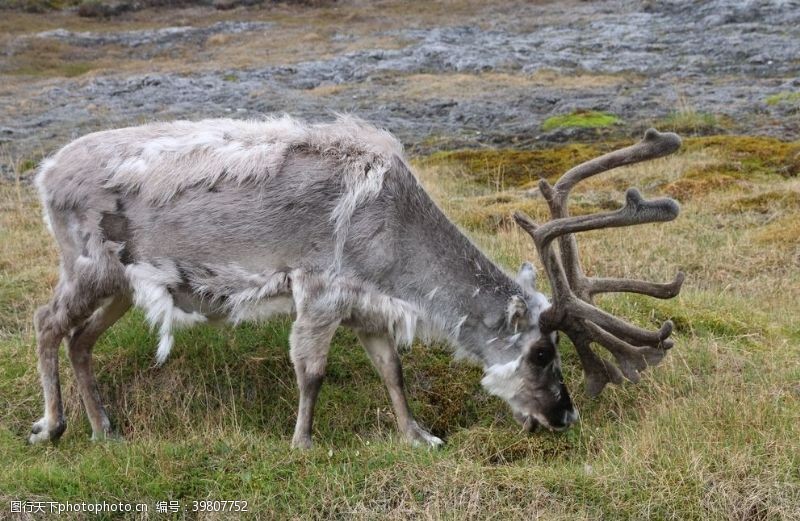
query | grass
[502, 168]
[580, 119]
[785, 97]
[38, 6]
[712, 433]
[487, 84]
[689, 122]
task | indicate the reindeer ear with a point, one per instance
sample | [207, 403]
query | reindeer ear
[516, 312]
[526, 277]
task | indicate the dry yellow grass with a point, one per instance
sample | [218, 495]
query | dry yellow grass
[467, 86]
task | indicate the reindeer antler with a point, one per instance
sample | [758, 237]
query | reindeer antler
[572, 310]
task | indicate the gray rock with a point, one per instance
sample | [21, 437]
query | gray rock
[163, 36]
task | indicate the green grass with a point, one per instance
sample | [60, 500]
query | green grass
[505, 168]
[580, 119]
[66, 70]
[38, 6]
[787, 97]
[711, 433]
[689, 121]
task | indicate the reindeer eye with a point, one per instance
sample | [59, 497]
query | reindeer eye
[542, 357]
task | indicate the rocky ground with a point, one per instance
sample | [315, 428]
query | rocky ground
[461, 76]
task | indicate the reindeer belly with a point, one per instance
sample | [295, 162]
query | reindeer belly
[180, 293]
[255, 310]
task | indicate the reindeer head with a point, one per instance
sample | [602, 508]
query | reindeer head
[532, 384]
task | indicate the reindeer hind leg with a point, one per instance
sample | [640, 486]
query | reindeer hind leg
[49, 332]
[79, 347]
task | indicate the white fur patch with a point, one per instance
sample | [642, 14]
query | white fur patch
[537, 304]
[161, 159]
[500, 380]
[44, 167]
[150, 285]
[526, 278]
[456, 331]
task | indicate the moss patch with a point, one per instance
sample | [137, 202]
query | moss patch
[787, 97]
[580, 119]
[516, 167]
[66, 70]
[741, 158]
[751, 155]
[47, 58]
[39, 6]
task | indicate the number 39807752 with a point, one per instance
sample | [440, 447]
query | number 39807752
[219, 506]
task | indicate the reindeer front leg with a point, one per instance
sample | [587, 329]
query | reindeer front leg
[384, 357]
[309, 342]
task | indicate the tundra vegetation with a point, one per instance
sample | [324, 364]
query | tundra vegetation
[580, 119]
[711, 433]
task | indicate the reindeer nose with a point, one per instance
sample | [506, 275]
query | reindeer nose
[570, 417]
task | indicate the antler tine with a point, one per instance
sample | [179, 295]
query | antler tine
[552, 265]
[572, 310]
[654, 145]
[636, 211]
[632, 360]
[611, 285]
[620, 328]
[597, 370]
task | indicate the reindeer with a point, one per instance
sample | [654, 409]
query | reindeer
[221, 219]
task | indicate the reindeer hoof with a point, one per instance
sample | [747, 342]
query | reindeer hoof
[100, 437]
[42, 430]
[419, 437]
[302, 442]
